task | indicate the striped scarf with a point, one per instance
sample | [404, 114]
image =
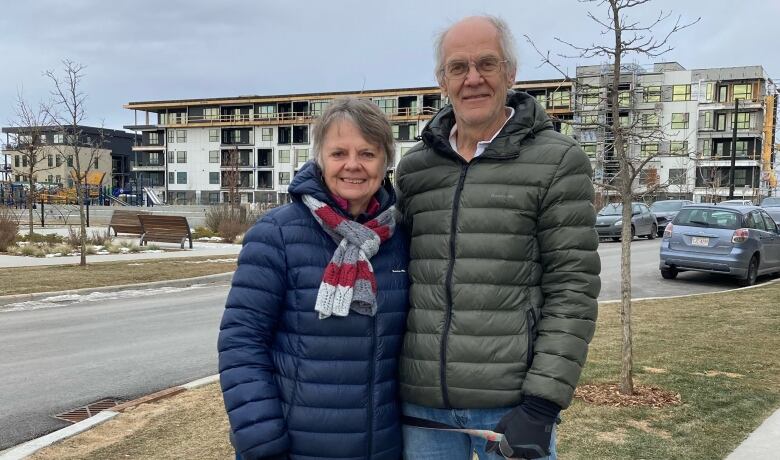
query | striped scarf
[348, 281]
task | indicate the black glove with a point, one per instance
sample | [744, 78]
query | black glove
[527, 429]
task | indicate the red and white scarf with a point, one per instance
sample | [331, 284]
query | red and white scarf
[348, 282]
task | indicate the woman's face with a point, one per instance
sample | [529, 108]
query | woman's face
[352, 167]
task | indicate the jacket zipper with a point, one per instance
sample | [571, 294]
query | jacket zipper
[371, 389]
[531, 319]
[448, 285]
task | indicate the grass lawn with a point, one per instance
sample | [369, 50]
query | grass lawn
[720, 352]
[26, 280]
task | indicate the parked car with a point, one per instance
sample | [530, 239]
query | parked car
[770, 202]
[774, 212]
[609, 221]
[736, 203]
[743, 241]
[665, 210]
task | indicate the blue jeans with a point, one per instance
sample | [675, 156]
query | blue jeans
[427, 444]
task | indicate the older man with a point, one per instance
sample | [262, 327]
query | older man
[504, 266]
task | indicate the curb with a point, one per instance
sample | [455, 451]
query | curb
[30, 447]
[181, 282]
[637, 299]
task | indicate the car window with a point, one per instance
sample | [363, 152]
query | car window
[770, 224]
[637, 209]
[713, 218]
[645, 209]
[754, 220]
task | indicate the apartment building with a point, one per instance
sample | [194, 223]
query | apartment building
[683, 121]
[112, 157]
[195, 151]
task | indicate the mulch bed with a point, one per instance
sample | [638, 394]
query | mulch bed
[608, 394]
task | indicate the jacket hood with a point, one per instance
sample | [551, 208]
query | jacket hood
[528, 120]
[308, 181]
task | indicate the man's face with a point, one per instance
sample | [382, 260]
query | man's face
[478, 99]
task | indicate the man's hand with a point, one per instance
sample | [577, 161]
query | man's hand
[527, 429]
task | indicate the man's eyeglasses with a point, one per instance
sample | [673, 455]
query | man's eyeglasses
[486, 66]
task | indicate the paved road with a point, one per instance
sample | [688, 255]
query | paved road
[56, 358]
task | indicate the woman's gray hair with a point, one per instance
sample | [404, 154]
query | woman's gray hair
[364, 114]
[506, 40]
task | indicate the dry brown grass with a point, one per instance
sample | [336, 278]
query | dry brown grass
[26, 280]
[190, 425]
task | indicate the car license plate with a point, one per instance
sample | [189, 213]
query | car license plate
[700, 241]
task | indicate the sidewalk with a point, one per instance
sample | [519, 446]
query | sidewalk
[764, 443]
[199, 249]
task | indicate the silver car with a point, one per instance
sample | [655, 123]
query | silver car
[665, 210]
[609, 221]
[743, 241]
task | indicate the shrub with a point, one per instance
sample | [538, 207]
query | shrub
[100, 238]
[32, 250]
[47, 238]
[202, 232]
[9, 229]
[63, 249]
[230, 225]
[215, 215]
[230, 229]
[74, 237]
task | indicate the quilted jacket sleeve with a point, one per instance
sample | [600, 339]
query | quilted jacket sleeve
[570, 281]
[252, 311]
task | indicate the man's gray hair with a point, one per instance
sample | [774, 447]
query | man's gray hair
[364, 114]
[506, 40]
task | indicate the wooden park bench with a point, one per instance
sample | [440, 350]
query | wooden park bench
[169, 229]
[125, 221]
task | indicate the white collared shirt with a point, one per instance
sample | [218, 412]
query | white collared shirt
[481, 145]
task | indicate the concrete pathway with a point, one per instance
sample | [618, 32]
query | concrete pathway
[172, 250]
[762, 444]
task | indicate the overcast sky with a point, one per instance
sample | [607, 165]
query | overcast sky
[175, 49]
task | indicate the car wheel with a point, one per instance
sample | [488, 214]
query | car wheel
[653, 231]
[752, 273]
[615, 238]
[669, 273]
[633, 232]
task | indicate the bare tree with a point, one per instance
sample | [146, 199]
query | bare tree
[30, 125]
[625, 37]
[79, 151]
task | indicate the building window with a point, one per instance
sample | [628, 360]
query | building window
[720, 122]
[388, 105]
[707, 122]
[69, 161]
[95, 163]
[154, 138]
[300, 134]
[590, 96]
[404, 150]
[541, 98]
[58, 139]
[171, 156]
[740, 177]
[181, 135]
[213, 156]
[181, 177]
[58, 179]
[171, 136]
[589, 119]
[50, 178]
[681, 92]
[317, 107]
[57, 161]
[17, 161]
[405, 132]
[652, 94]
[284, 178]
[214, 178]
[50, 161]
[181, 157]
[743, 120]
[677, 176]
[285, 135]
[709, 92]
[284, 156]
[211, 113]
[624, 98]
[561, 98]
[706, 147]
[742, 149]
[650, 120]
[742, 92]
[723, 93]
[213, 135]
[649, 150]
[590, 150]
[171, 177]
[301, 156]
[680, 121]
[235, 136]
[678, 148]
[267, 134]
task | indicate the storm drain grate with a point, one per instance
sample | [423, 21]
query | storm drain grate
[85, 412]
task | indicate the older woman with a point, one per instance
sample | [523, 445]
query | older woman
[313, 324]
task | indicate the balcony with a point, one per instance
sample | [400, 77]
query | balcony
[148, 148]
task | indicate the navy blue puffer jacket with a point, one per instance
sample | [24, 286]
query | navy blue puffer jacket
[296, 385]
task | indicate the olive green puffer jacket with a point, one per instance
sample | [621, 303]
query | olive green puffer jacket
[504, 267]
